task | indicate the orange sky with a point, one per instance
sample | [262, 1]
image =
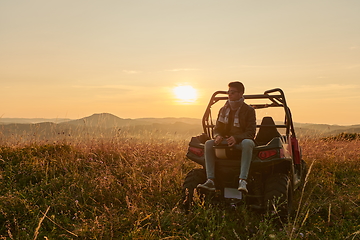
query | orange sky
[70, 59]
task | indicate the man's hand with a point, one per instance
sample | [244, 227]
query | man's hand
[231, 141]
[218, 139]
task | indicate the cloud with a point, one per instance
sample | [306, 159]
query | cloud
[353, 66]
[354, 48]
[325, 88]
[118, 88]
[256, 66]
[131, 71]
[182, 69]
[329, 92]
[332, 96]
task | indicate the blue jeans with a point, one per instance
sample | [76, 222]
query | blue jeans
[247, 146]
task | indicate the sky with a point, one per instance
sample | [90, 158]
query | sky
[71, 59]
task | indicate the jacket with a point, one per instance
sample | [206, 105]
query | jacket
[247, 129]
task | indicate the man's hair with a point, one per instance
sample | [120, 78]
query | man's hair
[238, 85]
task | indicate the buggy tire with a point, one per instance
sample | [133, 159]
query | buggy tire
[278, 195]
[192, 179]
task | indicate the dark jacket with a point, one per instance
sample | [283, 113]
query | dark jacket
[247, 127]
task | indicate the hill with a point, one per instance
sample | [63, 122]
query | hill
[32, 120]
[107, 125]
[101, 124]
[103, 120]
[321, 130]
[193, 121]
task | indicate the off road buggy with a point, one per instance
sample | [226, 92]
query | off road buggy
[276, 170]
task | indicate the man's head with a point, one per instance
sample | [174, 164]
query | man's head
[236, 91]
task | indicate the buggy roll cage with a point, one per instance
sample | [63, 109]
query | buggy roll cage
[277, 98]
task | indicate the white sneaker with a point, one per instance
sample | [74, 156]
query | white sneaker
[242, 186]
[208, 185]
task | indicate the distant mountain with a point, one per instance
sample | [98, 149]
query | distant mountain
[323, 127]
[310, 129]
[107, 120]
[106, 124]
[32, 120]
[347, 130]
[103, 124]
[101, 120]
[169, 120]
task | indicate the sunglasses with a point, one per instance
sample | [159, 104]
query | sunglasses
[232, 92]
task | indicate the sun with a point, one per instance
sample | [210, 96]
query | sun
[185, 94]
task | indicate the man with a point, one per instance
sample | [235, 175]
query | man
[235, 126]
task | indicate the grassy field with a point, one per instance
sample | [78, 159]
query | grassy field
[130, 188]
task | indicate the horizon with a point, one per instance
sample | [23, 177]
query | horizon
[70, 119]
[157, 59]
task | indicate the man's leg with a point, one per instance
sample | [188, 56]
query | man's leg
[210, 159]
[210, 166]
[247, 146]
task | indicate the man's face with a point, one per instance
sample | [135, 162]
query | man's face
[234, 94]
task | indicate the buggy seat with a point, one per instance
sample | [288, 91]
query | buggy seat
[267, 131]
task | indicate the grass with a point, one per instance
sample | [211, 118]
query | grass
[130, 188]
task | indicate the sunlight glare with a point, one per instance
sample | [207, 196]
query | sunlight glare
[185, 94]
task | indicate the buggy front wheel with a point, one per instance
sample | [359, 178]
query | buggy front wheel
[192, 179]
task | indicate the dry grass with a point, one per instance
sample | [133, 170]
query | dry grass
[130, 188]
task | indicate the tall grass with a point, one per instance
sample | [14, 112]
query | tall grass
[129, 187]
